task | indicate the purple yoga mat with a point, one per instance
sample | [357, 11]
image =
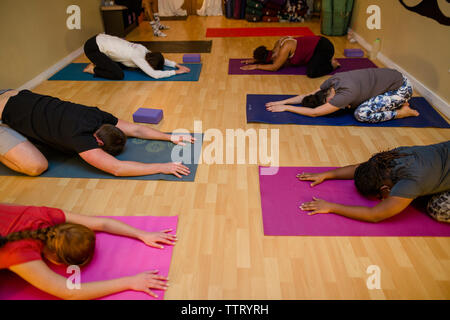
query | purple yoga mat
[282, 194]
[114, 257]
[234, 67]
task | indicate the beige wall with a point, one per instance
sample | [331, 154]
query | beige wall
[34, 36]
[418, 44]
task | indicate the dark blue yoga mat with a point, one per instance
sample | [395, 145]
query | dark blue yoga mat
[256, 112]
[148, 151]
[74, 72]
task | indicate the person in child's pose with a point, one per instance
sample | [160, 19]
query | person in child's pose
[95, 135]
[109, 55]
[314, 52]
[375, 94]
[396, 177]
[151, 12]
[28, 234]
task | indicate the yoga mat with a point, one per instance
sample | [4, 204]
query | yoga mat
[173, 18]
[74, 72]
[283, 193]
[148, 151]
[347, 64]
[178, 46]
[256, 112]
[114, 257]
[258, 32]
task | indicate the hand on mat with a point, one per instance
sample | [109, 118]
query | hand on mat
[148, 280]
[248, 61]
[179, 138]
[277, 108]
[175, 168]
[316, 178]
[249, 67]
[316, 206]
[153, 239]
[182, 69]
[274, 103]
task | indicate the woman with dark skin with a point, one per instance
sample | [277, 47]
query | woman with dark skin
[313, 51]
[396, 177]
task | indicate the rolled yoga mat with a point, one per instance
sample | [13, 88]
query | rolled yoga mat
[114, 257]
[256, 112]
[148, 151]
[258, 32]
[282, 194]
[178, 46]
[74, 72]
[347, 64]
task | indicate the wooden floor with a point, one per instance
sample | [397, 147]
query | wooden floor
[222, 252]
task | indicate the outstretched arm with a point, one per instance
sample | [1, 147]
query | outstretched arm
[322, 110]
[279, 61]
[144, 132]
[385, 209]
[343, 173]
[117, 227]
[38, 274]
[106, 162]
[294, 100]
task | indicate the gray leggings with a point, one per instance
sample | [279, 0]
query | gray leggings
[439, 206]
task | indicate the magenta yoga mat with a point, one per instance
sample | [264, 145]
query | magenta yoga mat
[114, 257]
[282, 194]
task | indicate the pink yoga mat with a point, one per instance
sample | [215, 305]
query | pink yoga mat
[115, 257]
[258, 32]
[282, 194]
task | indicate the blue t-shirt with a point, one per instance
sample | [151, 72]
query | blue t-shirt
[425, 170]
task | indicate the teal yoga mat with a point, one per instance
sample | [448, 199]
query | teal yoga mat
[74, 72]
[148, 151]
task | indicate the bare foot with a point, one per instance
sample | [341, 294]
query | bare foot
[335, 63]
[89, 68]
[406, 111]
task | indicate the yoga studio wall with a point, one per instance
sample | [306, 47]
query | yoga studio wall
[40, 37]
[414, 42]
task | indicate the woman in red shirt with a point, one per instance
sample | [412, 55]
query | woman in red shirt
[314, 52]
[28, 233]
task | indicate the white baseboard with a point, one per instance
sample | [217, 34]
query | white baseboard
[418, 86]
[52, 70]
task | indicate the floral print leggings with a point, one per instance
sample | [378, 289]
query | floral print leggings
[383, 107]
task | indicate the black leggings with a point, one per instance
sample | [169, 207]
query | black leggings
[320, 63]
[104, 66]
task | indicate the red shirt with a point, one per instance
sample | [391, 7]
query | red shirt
[17, 218]
[305, 50]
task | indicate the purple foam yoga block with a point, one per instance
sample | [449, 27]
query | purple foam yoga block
[191, 57]
[354, 53]
[146, 115]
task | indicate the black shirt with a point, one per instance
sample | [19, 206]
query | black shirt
[63, 125]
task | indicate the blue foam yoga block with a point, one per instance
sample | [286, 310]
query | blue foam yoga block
[191, 57]
[147, 115]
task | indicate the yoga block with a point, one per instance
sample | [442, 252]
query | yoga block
[146, 115]
[191, 57]
[353, 53]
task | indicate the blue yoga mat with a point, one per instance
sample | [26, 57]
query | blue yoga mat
[148, 151]
[256, 112]
[74, 72]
